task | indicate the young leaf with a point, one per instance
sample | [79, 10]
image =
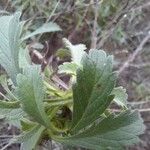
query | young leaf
[68, 68]
[63, 53]
[91, 93]
[120, 96]
[30, 92]
[77, 51]
[10, 29]
[47, 27]
[113, 132]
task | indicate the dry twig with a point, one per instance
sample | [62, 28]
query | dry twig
[135, 53]
[94, 31]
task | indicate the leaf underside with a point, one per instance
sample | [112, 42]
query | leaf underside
[10, 29]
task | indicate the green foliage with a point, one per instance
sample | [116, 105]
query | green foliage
[10, 29]
[47, 27]
[112, 132]
[95, 82]
[63, 53]
[12, 115]
[77, 51]
[89, 122]
[30, 138]
[24, 58]
[30, 92]
[68, 68]
[120, 96]
[92, 95]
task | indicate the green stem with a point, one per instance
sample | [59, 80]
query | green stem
[58, 99]
[57, 103]
[9, 105]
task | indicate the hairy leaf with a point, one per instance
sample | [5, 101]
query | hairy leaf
[12, 116]
[77, 51]
[47, 27]
[24, 58]
[68, 68]
[10, 29]
[91, 93]
[30, 92]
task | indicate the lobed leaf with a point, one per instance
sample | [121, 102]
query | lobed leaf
[91, 93]
[30, 91]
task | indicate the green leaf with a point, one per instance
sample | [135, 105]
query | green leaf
[113, 132]
[91, 93]
[77, 51]
[27, 124]
[47, 27]
[10, 29]
[30, 91]
[12, 116]
[120, 96]
[9, 104]
[4, 82]
[63, 53]
[68, 68]
[24, 58]
[31, 138]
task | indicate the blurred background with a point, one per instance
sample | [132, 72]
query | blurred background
[120, 27]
